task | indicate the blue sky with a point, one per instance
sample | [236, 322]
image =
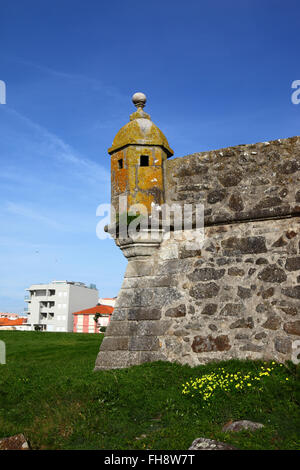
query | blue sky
[216, 74]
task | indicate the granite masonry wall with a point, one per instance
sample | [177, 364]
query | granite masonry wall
[238, 294]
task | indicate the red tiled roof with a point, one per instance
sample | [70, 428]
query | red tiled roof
[103, 309]
[7, 322]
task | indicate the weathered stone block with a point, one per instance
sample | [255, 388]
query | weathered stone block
[165, 295]
[293, 328]
[144, 313]
[206, 274]
[289, 167]
[236, 203]
[232, 309]
[113, 343]
[179, 311]
[230, 179]
[292, 292]
[234, 246]
[242, 323]
[260, 261]
[223, 261]
[166, 280]
[120, 314]
[244, 292]
[117, 328]
[213, 327]
[269, 201]
[251, 271]
[290, 234]
[272, 323]
[112, 360]
[138, 268]
[175, 266]
[143, 343]
[216, 195]
[279, 243]
[209, 309]
[153, 328]
[261, 308]
[260, 335]
[185, 253]
[283, 345]
[194, 325]
[272, 273]
[241, 336]
[204, 291]
[293, 264]
[143, 297]
[289, 309]
[266, 294]
[208, 343]
[252, 347]
[173, 346]
[234, 271]
[151, 356]
[191, 309]
[180, 332]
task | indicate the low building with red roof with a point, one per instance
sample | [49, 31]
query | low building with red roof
[84, 320]
[11, 321]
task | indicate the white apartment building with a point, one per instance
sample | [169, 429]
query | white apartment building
[50, 306]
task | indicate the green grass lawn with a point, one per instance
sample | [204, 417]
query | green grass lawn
[49, 392]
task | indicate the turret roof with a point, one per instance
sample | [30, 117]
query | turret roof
[140, 130]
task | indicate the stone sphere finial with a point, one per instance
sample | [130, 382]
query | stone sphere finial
[139, 99]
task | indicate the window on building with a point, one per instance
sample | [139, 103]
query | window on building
[120, 163]
[144, 160]
[41, 292]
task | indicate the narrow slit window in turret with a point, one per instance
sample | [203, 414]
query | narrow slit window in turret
[144, 161]
[120, 163]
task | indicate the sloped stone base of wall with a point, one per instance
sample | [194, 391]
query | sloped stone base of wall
[237, 296]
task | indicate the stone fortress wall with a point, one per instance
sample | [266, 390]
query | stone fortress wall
[238, 296]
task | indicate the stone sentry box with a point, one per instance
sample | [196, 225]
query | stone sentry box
[236, 297]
